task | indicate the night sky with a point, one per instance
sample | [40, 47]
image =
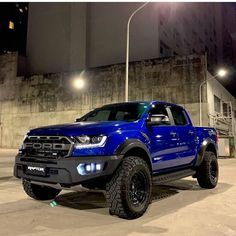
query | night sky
[15, 39]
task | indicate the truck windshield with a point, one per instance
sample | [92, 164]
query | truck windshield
[117, 112]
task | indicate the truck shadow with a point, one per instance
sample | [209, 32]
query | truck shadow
[92, 199]
[5, 178]
[95, 201]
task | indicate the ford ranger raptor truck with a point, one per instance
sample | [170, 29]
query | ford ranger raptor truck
[121, 148]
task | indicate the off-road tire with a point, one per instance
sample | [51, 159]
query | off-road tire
[39, 192]
[131, 181]
[208, 171]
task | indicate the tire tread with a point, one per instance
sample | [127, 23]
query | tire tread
[203, 171]
[115, 192]
[39, 192]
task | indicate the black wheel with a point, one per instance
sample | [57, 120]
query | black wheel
[39, 192]
[208, 171]
[128, 193]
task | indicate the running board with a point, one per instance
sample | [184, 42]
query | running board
[165, 178]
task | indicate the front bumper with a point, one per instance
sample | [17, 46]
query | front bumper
[64, 171]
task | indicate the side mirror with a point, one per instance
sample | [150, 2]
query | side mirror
[158, 120]
[77, 120]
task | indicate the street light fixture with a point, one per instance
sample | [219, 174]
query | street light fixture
[127, 51]
[220, 73]
[79, 81]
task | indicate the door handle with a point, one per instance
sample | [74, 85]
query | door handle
[173, 134]
[190, 132]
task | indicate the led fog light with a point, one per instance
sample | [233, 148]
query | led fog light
[89, 168]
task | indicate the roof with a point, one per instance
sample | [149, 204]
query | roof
[148, 102]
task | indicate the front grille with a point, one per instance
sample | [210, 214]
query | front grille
[53, 147]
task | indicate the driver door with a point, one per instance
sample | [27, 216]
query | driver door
[163, 140]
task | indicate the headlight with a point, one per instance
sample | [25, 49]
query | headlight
[85, 141]
[22, 146]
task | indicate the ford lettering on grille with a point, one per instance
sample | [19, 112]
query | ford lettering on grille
[47, 146]
[53, 146]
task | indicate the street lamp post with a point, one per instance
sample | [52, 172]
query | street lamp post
[127, 51]
[221, 73]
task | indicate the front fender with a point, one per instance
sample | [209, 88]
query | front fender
[129, 144]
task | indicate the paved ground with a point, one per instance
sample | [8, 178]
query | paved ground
[180, 208]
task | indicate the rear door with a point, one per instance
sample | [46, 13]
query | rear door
[186, 135]
[163, 140]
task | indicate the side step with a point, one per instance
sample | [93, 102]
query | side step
[165, 178]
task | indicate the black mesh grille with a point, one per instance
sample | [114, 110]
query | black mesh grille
[47, 146]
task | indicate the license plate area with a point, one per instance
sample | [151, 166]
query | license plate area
[35, 169]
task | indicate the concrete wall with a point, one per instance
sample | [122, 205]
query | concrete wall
[29, 102]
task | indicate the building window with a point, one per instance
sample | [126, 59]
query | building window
[225, 109]
[11, 25]
[217, 104]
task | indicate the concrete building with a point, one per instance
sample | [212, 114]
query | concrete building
[38, 100]
[222, 116]
[13, 27]
[72, 36]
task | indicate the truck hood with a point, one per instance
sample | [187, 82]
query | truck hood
[87, 128]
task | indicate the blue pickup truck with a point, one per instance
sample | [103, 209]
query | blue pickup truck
[121, 148]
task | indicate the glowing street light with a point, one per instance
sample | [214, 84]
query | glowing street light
[78, 82]
[221, 73]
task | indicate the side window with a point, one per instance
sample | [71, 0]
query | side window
[100, 115]
[160, 110]
[178, 116]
